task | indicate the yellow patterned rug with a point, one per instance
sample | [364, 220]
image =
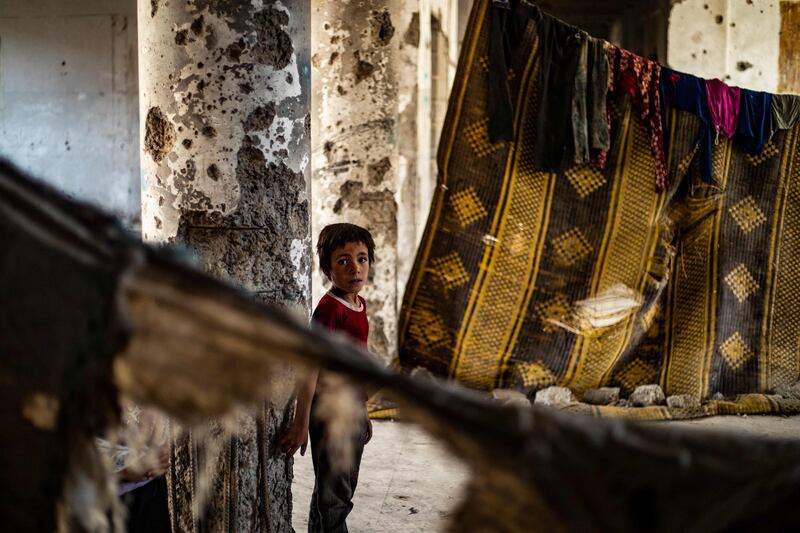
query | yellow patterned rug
[589, 278]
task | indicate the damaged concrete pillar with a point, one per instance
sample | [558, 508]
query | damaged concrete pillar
[364, 85]
[224, 106]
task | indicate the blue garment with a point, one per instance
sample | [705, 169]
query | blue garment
[755, 116]
[688, 93]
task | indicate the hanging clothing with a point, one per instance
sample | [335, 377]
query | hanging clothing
[590, 119]
[755, 118]
[580, 124]
[723, 106]
[688, 93]
[560, 51]
[600, 155]
[640, 78]
[599, 137]
[785, 112]
[499, 105]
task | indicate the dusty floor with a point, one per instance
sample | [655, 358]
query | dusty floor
[768, 426]
[409, 484]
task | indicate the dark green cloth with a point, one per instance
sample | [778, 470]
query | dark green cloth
[785, 112]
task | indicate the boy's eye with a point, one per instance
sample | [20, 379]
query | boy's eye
[362, 260]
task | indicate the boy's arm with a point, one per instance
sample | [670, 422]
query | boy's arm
[297, 435]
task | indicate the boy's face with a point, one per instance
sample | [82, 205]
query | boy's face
[350, 267]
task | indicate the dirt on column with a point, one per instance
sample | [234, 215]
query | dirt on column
[224, 100]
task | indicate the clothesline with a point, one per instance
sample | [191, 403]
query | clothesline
[579, 73]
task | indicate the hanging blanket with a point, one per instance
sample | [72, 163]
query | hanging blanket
[586, 277]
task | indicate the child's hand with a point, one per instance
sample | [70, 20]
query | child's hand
[296, 437]
[155, 470]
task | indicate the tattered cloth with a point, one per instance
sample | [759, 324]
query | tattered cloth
[586, 278]
[571, 472]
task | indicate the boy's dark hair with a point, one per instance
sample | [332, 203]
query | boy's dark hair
[336, 236]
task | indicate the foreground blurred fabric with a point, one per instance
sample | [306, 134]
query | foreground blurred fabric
[90, 314]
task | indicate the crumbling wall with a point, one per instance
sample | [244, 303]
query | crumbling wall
[68, 97]
[736, 41]
[225, 151]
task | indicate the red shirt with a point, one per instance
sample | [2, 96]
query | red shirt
[339, 315]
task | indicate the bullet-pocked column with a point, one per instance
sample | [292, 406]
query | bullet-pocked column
[362, 52]
[224, 105]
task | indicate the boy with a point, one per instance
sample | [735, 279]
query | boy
[346, 252]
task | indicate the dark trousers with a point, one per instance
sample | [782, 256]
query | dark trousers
[148, 511]
[331, 500]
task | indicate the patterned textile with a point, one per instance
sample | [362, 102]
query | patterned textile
[586, 278]
[641, 78]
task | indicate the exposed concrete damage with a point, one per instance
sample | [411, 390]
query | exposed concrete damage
[225, 87]
[159, 135]
[531, 463]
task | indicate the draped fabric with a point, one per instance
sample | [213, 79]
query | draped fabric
[59, 336]
[587, 277]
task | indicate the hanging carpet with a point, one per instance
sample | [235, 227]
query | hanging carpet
[589, 276]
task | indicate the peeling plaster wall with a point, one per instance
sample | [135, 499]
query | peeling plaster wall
[733, 40]
[372, 141]
[68, 98]
[357, 49]
[224, 104]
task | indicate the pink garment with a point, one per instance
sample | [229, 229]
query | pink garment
[723, 104]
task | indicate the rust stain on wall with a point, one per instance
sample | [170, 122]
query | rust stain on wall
[159, 134]
[789, 58]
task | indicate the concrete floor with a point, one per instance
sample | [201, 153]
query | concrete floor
[787, 427]
[408, 483]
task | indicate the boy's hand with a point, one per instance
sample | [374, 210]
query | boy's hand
[159, 469]
[296, 437]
